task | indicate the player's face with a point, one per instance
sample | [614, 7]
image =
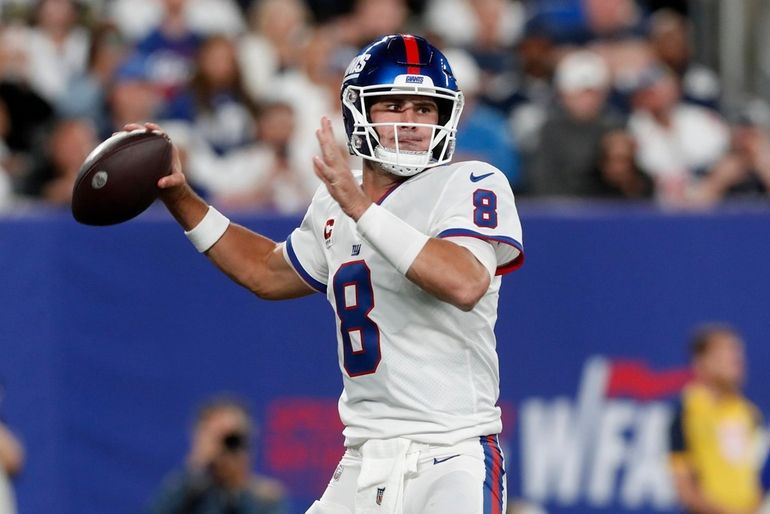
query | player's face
[405, 110]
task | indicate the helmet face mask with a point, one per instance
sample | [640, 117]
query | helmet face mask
[400, 65]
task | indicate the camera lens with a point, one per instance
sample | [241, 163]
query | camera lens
[234, 441]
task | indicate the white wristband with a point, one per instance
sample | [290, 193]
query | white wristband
[208, 231]
[392, 237]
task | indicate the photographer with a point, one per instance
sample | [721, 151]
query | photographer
[218, 478]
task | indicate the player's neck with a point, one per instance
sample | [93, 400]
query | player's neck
[720, 390]
[377, 182]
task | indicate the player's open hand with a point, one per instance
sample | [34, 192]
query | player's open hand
[333, 170]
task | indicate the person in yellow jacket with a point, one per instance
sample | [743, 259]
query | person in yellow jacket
[716, 432]
[11, 462]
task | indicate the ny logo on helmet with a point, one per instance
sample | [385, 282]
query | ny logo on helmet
[356, 66]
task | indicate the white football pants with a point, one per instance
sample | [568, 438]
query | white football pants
[397, 476]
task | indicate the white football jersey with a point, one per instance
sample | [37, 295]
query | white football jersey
[413, 366]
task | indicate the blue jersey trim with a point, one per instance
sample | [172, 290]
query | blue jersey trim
[387, 193]
[462, 232]
[304, 275]
[501, 270]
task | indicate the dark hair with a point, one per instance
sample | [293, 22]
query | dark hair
[201, 87]
[103, 34]
[704, 334]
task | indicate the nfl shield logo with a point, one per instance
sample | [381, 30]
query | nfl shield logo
[380, 494]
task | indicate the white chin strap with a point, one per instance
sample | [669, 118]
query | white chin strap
[403, 163]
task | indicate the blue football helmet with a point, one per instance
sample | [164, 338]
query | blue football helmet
[397, 65]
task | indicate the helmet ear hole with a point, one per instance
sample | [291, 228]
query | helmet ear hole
[445, 107]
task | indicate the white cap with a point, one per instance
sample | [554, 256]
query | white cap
[581, 70]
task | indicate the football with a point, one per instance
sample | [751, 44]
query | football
[118, 179]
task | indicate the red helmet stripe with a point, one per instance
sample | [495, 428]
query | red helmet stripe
[412, 54]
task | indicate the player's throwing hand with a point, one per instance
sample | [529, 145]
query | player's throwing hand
[333, 170]
[176, 178]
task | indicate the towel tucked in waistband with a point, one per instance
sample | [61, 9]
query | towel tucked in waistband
[385, 463]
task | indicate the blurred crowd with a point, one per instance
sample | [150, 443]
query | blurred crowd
[570, 98]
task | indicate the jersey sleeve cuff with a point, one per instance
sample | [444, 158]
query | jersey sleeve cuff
[291, 256]
[502, 269]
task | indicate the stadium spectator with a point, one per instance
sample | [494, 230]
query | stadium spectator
[524, 93]
[11, 463]
[669, 35]
[614, 30]
[24, 120]
[370, 19]
[619, 174]
[260, 176]
[499, 24]
[272, 183]
[744, 172]
[57, 48]
[217, 477]
[215, 103]
[132, 95]
[212, 17]
[469, 23]
[53, 177]
[278, 32]
[169, 50]
[568, 158]
[582, 22]
[27, 115]
[488, 30]
[715, 433]
[137, 18]
[317, 83]
[86, 93]
[14, 58]
[677, 143]
[483, 133]
[611, 20]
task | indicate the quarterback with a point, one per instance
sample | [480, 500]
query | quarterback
[409, 252]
